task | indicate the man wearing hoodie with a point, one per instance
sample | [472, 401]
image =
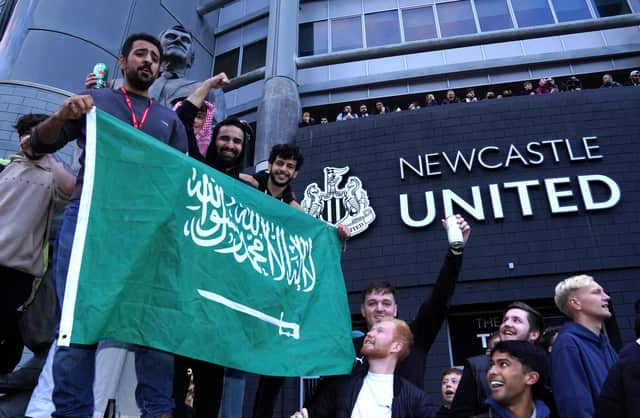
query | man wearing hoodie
[582, 353]
[516, 377]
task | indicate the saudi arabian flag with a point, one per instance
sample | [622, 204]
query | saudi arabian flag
[172, 254]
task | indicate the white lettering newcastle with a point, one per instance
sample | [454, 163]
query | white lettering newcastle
[222, 223]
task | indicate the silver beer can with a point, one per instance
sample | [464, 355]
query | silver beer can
[454, 233]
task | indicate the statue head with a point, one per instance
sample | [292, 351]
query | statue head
[177, 46]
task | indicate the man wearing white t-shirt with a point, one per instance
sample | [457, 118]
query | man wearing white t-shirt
[375, 392]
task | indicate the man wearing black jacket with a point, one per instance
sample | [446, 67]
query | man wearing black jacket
[520, 322]
[379, 301]
[376, 390]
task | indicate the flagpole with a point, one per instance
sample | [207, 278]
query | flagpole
[75, 262]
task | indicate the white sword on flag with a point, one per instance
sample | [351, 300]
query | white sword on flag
[289, 329]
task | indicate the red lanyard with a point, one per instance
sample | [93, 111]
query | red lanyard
[134, 120]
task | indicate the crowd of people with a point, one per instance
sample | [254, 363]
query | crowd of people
[545, 85]
[583, 376]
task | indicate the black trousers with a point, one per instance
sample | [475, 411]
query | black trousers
[208, 380]
[266, 395]
[15, 288]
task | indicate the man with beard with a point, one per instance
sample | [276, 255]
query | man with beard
[374, 391]
[582, 353]
[33, 187]
[73, 368]
[520, 322]
[224, 153]
[285, 161]
[516, 376]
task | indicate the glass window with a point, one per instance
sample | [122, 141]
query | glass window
[456, 18]
[227, 62]
[606, 8]
[567, 10]
[493, 15]
[346, 33]
[254, 56]
[382, 28]
[532, 12]
[313, 39]
[419, 24]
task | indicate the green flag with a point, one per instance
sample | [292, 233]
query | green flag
[172, 254]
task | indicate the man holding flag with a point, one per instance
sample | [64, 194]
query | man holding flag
[73, 368]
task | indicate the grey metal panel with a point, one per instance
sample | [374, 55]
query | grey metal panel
[383, 65]
[539, 46]
[255, 5]
[231, 99]
[231, 12]
[467, 54]
[432, 84]
[594, 67]
[424, 59]
[503, 49]
[549, 70]
[242, 36]
[621, 36]
[508, 76]
[344, 8]
[411, 3]
[348, 96]
[316, 10]
[250, 92]
[627, 62]
[315, 100]
[254, 31]
[580, 40]
[379, 5]
[456, 82]
[60, 60]
[347, 70]
[228, 41]
[73, 16]
[310, 75]
[389, 89]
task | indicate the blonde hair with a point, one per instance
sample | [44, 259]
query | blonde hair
[402, 334]
[565, 288]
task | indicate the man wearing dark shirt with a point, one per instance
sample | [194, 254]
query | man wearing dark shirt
[73, 367]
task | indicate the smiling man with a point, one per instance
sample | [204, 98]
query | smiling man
[516, 375]
[582, 353]
[285, 161]
[520, 322]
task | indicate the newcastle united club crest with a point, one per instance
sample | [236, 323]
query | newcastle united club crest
[348, 205]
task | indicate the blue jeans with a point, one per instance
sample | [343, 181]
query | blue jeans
[232, 404]
[73, 366]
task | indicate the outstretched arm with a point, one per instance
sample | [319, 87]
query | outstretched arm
[434, 309]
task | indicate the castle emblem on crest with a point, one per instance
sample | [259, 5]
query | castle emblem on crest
[348, 205]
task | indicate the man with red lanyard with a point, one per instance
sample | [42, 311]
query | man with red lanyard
[73, 367]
